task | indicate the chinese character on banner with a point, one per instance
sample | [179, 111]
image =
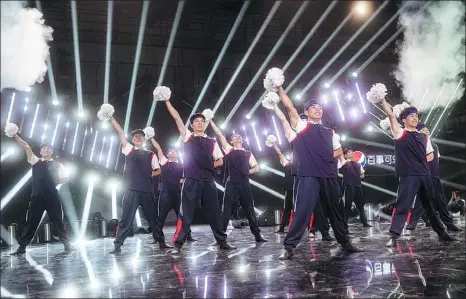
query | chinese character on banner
[393, 159]
[370, 160]
[379, 159]
[377, 268]
[388, 159]
[386, 268]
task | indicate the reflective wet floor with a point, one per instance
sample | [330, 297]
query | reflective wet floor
[419, 267]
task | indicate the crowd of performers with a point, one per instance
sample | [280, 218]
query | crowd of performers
[313, 198]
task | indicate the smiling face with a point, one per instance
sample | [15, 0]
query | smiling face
[314, 112]
[46, 152]
[237, 141]
[411, 121]
[198, 125]
[138, 140]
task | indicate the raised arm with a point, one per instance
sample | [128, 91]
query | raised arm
[157, 147]
[279, 153]
[176, 116]
[288, 104]
[394, 125]
[223, 140]
[120, 131]
[25, 146]
[285, 124]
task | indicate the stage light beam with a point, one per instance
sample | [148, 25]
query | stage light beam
[77, 59]
[108, 49]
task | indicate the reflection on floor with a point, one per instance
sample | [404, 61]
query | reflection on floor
[419, 267]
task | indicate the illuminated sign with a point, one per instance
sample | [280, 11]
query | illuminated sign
[381, 159]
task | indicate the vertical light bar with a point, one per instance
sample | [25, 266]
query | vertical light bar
[269, 57]
[335, 93]
[77, 59]
[109, 153]
[34, 121]
[361, 98]
[74, 139]
[246, 135]
[138, 219]
[45, 127]
[108, 49]
[235, 26]
[87, 207]
[255, 134]
[84, 142]
[248, 52]
[436, 100]
[93, 145]
[423, 98]
[114, 201]
[181, 156]
[142, 28]
[166, 59]
[67, 125]
[11, 107]
[102, 149]
[56, 127]
[276, 130]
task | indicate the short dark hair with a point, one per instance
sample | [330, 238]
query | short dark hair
[49, 145]
[346, 150]
[138, 131]
[310, 103]
[407, 111]
[196, 115]
[235, 134]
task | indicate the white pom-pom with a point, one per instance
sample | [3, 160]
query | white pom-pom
[385, 123]
[274, 79]
[149, 132]
[376, 93]
[11, 129]
[268, 143]
[106, 111]
[272, 138]
[162, 93]
[397, 110]
[270, 100]
[208, 114]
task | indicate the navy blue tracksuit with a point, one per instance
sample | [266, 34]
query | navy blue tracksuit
[440, 203]
[137, 178]
[237, 187]
[414, 178]
[316, 178]
[44, 197]
[200, 153]
[353, 190]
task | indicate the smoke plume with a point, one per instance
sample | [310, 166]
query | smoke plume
[24, 47]
[432, 53]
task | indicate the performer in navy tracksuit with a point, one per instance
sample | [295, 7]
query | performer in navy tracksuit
[353, 173]
[169, 188]
[318, 219]
[440, 203]
[240, 165]
[46, 175]
[316, 175]
[137, 178]
[412, 150]
[201, 156]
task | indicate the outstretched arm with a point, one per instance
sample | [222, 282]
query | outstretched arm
[223, 140]
[176, 116]
[25, 146]
[394, 125]
[120, 132]
[281, 156]
[285, 124]
[157, 147]
[288, 104]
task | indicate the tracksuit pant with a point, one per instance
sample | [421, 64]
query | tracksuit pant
[191, 192]
[307, 191]
[131, 202]
[242, 193]
[37, 206]
[287, 209]
[408, 187]
[439, 203]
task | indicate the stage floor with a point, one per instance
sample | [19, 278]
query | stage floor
[417, 268]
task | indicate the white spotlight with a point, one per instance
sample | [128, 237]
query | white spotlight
[343, 137]
[55, 102]
[25, 108]
[361, 8]
[104, 125]
[298, 97]
[27, 89]
[354, 74]
[370, 128]
[82, 114]
[248, 116]
[354, 112]
[70, 169]
[327, 85]
[349, 96]
[26, 100]
[223, 126]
